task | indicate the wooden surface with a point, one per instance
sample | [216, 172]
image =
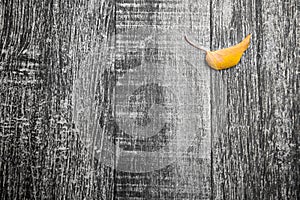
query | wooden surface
[256, 104]
[105, 100]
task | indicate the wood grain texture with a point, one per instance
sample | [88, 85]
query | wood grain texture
[151, 53]
[105, 100]
[48, 51]
[255, 105]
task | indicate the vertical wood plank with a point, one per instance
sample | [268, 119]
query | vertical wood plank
[50, 61]
[279, 101]
[92, 55]
[255, 104]
[151, 55]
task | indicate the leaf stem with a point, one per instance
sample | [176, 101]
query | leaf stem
[192, 44]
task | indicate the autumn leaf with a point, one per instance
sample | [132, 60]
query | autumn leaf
[225, 58]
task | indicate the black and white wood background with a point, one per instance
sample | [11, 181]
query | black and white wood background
[103, 99]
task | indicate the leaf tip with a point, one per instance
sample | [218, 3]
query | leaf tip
[249, 35]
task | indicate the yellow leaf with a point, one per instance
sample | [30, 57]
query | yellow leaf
[225, 58]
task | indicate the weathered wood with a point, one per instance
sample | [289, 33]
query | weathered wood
[105, 100]
[157, 68]
[255, 104]
[49, 53]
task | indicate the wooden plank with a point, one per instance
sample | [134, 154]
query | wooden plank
[255, 104]
[52, 61]
[157, 68]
